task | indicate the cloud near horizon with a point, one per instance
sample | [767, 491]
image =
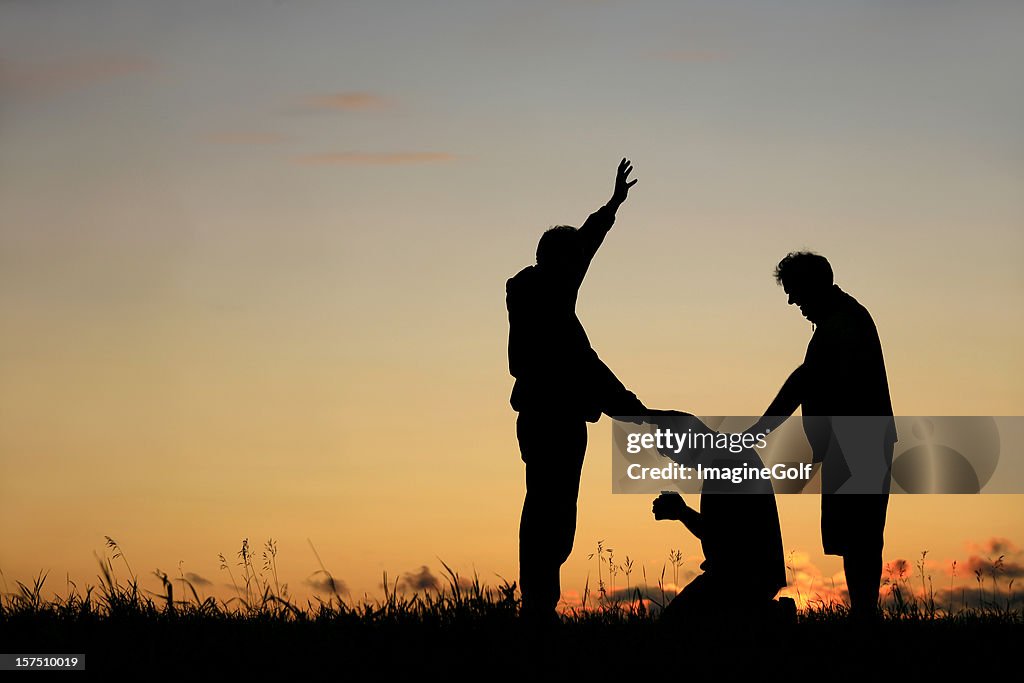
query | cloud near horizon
[995, 545]
[375, 158]
[420, 580]
[323, 582]
[997, 558]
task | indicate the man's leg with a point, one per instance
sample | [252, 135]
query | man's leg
[553, 450]
[862, 561]
[863, 575]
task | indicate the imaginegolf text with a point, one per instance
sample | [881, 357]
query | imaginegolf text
[734, 474]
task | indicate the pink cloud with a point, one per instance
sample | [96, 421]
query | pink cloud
[809, 586]
[65, 74]
[993, 567]
[995, 545]
[348, 101]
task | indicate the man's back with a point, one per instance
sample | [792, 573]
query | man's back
[544, 330]
[548, 349]
[742, 535]
[844, 368]
[742, 541]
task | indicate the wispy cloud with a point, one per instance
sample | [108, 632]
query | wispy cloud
[197, 580]
[978, 598]
[996, 557]
[347, 101]
[995, 545]
[376, 158]
[420, 580]
[323, 582]
[994, 567]
[65, 74]
[245, 137]
[985, 580]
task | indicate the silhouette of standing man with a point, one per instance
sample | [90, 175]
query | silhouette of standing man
[561, 384]
[843, 374]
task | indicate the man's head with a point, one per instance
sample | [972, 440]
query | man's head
[559, 248]
[807, 280]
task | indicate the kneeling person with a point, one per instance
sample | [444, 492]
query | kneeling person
[740, 534]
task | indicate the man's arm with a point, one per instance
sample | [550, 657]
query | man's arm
[785, 403]
[616, 400]
[598, 224]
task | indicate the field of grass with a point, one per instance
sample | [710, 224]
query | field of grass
[469, 629]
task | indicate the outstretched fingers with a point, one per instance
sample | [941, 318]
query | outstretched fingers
[622, 181]
[625, 168]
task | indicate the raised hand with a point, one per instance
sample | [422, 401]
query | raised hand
[622, 181]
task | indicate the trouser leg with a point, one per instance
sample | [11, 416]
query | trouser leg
[863, 576]
[553, 451]
[862, 561]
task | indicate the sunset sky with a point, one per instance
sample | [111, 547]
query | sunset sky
[253, 258]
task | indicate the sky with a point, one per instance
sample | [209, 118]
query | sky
[253, 255]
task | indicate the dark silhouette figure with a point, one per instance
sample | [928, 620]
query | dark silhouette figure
[843, 374]
[740, 534]
[561, 384]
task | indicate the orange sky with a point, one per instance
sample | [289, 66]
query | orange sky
[252, 263]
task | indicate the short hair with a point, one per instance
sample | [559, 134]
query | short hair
[806, 267]
[555, 243]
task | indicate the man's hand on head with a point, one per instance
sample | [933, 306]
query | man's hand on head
[664, 418]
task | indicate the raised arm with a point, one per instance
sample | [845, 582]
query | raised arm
[598, 224]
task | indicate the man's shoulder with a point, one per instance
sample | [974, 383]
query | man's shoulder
[522, 282]
[853, 308]
[522, 276]
[531, 290]
[851, 319]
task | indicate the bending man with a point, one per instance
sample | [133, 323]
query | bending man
[843, 374]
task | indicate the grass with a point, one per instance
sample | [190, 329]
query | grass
[465, 627]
